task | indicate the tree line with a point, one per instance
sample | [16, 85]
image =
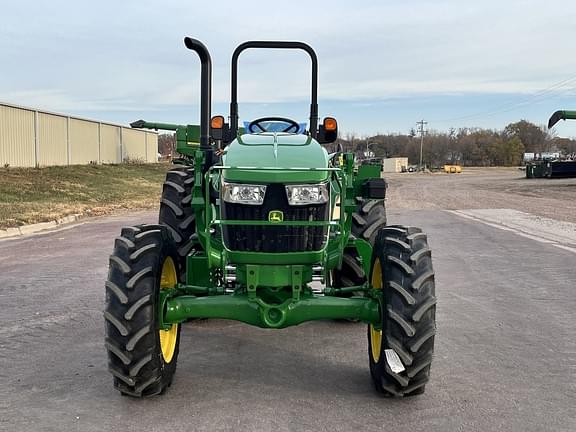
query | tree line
[465, 146]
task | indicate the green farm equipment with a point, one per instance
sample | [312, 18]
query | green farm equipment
[550, 165]
[263, 226]
[561, 115]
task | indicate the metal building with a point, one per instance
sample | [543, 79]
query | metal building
[395, 164]
[30, 137]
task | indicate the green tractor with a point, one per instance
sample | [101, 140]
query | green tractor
[262, 225]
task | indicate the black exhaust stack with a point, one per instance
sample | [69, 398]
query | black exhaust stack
[205, 93]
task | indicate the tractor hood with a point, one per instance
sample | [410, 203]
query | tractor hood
[271, 152]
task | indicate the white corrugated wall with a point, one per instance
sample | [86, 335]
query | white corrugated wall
[30, 137]
[110, 144]
[84, 139]
[133, 145]
[17, 137]
[53, 140]
[151, 147]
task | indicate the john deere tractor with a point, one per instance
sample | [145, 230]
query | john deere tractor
[262, 225]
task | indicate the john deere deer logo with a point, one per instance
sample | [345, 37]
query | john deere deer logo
[275, 216]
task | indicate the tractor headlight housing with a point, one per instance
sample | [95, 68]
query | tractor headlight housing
[238, 193]
[307, 194]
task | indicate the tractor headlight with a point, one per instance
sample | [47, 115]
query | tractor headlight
[307, 194]
[243, 193]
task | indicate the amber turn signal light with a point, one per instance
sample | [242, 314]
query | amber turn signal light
[330, 124]
[217, 122]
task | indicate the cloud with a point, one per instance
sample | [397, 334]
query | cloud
[129, 55]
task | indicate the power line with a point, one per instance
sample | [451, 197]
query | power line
[552, 90]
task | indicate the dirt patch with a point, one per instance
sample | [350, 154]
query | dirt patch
[484, 188]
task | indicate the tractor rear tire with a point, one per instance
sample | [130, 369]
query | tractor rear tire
[176, 212]
[402, 268]
[369, 217]
[141, 358]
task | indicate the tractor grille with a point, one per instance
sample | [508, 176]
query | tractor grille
[274, 238]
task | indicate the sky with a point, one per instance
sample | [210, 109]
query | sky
[383, 65]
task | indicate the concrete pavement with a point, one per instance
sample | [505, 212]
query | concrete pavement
[505, 349]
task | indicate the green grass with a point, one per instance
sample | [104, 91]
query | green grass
[31, 195]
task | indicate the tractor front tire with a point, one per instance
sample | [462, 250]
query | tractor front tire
[176, 211]
[141, 357]
[402, 268]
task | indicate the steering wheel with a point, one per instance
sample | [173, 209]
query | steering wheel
[292, 125]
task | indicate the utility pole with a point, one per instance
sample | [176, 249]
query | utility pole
[421, 124]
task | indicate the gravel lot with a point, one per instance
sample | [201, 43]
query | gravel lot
[490, 188]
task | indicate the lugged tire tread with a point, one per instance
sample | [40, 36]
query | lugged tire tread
[128, 380]
[408, 298]
[403, 381]
[123, 298]
[147, 233]
[369, 204]
[405, 267]
[420, 366]
[176, 186]
[130, 231]
[408, 324]
[177, 214]
[124, 241]
[417, 284]
[370, 215]
[403, 353]
[354, 265]
[173, 206]
[136, 254]
[425, 307]
[358, 219]
[405, 325]
[139, 365]
[136, 306]
[418, 254]
[373, 229]
[132, 339]
[125, 268]
[118, 352]
[415, 346]
[397, 242]
[138, 276]
[122, 329]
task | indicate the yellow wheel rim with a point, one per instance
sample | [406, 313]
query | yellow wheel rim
[376, 335]
[168, 280]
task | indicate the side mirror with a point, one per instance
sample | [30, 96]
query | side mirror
[327, 131]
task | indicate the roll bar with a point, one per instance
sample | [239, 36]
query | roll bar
[274, 45]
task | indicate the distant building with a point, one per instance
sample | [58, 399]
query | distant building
[397, 164]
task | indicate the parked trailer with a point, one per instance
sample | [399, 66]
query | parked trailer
[553, 168]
